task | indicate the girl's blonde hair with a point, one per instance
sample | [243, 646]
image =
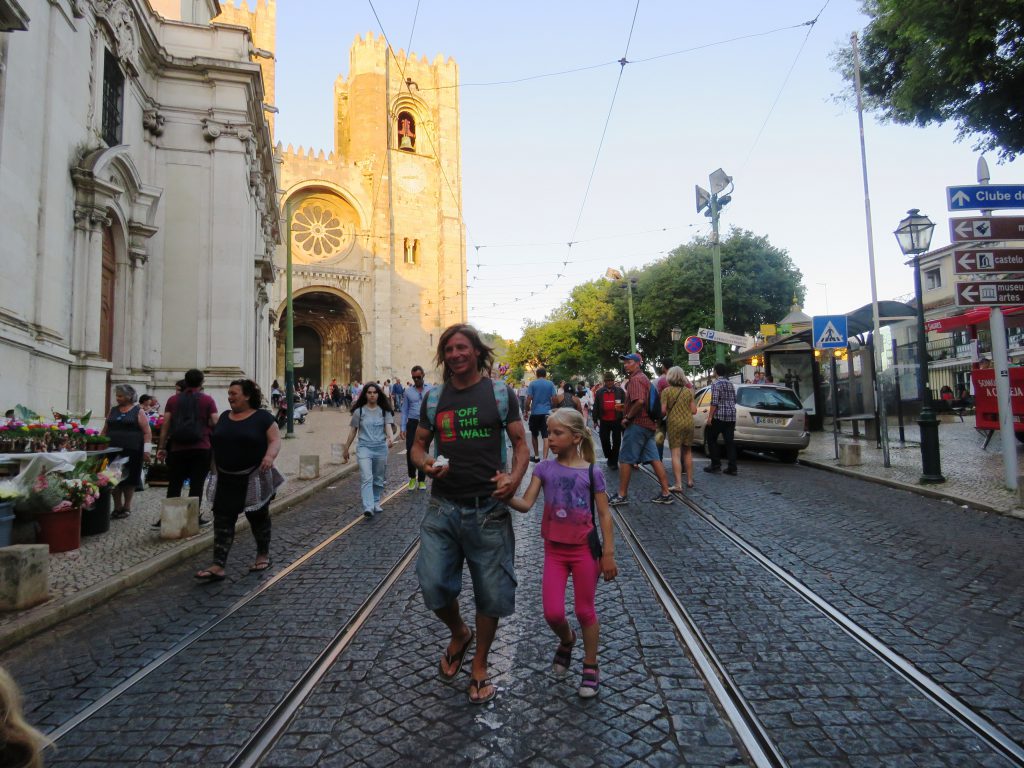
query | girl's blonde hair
[21, 741]
[572, 420]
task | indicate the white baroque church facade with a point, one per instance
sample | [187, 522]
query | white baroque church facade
[144, 205]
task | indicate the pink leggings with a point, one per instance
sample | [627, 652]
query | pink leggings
[559, 561]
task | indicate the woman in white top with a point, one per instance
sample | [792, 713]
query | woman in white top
[373, 420]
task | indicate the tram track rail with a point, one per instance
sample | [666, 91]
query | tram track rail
[717, 677]
[193, 637]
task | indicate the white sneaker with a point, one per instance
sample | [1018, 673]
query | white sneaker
[377, 509]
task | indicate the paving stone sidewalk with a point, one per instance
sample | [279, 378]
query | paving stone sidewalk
[974, 476]
[132, 550]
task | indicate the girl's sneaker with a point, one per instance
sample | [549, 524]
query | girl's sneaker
[563, 657]
[590, 683]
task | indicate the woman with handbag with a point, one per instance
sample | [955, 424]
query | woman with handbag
[571, 544]
[245, 443]
[678, 407]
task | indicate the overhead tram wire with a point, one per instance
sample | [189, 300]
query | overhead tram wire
[785, 81]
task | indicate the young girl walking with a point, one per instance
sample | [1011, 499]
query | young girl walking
[573, 488]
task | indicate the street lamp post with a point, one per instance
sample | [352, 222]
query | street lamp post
[289, 333]
[914, 235]
[676, 333]
[714, 202]
[614, 274]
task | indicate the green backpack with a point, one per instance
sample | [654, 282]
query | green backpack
[500, 397]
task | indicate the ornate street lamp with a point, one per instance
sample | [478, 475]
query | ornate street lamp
[914, 235]
[675, 333]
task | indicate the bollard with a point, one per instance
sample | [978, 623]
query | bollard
[309, 467]
[849, 455]
[24, 576]
[179, 518]
[336, 453]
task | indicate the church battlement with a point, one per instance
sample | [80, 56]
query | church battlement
[367, 55]
[292, 153]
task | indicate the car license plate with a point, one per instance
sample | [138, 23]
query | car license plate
[780, 420]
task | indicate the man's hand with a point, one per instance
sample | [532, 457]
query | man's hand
[505, 487]
[402, 434]
[436, 471]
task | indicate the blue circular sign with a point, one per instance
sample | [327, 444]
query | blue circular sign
[693, 344]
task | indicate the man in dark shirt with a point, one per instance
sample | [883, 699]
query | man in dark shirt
[722, 421]
[466, 518]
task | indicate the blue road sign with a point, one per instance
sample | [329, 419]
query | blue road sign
[985, 196]
[829, 331]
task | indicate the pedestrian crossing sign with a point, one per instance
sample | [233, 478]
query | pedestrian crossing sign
[829, 331]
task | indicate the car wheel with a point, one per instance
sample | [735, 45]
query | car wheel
[788, 457]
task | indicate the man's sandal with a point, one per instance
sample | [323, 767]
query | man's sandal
[476, 685]
[454, 662]
[563, 657]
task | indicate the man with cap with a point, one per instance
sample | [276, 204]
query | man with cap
[638, 445]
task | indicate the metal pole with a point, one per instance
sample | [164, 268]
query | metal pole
[289, 334]
[931, 465]
[834, 373]
[629, 304]
[1001, 366]
[877, 349]
[716, 265]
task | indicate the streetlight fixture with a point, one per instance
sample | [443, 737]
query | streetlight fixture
[614, 274]
[675, 333]
[914, 235]
[715, 202]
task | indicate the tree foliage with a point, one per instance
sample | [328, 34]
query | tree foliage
[591, 329]
[933, 61]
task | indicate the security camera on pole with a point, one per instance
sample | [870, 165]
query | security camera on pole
[714, 202]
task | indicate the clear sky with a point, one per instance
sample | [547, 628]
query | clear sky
[750, 91]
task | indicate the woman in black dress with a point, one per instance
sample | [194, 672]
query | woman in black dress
[128, 429]
[245, 443]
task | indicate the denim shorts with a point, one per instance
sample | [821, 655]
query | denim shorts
[452, 533]
[638, 446]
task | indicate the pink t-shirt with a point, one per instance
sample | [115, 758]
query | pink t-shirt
[207, 409]
[566, 501]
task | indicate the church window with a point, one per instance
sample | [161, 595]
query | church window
[113, 100]
[411, 250]
[406, 132]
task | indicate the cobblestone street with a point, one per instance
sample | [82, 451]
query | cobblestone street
[939, 584]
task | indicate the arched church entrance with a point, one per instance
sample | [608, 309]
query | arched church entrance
[309, 341]
[327, 328]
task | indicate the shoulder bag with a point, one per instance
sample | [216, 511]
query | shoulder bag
[593, 540]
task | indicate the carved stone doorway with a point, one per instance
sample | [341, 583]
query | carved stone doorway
[332, 321]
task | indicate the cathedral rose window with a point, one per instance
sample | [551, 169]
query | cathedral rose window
[318, 231]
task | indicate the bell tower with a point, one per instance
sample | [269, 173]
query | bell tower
[262, 24]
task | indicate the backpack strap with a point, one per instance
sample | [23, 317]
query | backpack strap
[501, 398]
[433, 395]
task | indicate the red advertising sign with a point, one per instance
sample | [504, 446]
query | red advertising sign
[986, 228]
[986, 408]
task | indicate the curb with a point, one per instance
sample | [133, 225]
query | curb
[920, 490]
[64, 608]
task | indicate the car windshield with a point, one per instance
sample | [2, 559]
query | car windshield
[768, 399]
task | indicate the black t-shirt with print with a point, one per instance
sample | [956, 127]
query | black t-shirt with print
[467, 429]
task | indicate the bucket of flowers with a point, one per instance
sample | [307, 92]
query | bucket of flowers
[96, 516]
[57, 503]
[9, 494]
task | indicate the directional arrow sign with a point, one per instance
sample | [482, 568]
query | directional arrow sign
[721, 336]
[989, 260]
[986, 228]
[986, 196]
[1010, 292]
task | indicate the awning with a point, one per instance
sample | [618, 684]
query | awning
[976, 316]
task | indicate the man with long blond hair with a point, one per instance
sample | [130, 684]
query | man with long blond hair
[466, 516]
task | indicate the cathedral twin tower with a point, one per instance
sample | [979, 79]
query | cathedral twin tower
[377, 236]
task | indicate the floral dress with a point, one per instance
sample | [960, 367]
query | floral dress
[678, 405]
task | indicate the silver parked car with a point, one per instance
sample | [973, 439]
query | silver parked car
[768, 418]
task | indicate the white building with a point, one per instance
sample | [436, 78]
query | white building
[137, 201]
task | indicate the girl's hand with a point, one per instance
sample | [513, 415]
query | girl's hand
[608, 568]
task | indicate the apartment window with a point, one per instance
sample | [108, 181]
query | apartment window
[113, 100]
[932, 279]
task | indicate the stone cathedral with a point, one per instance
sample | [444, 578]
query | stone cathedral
[377, 237]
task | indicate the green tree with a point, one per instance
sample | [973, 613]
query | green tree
[590, 330]
[933, 61]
